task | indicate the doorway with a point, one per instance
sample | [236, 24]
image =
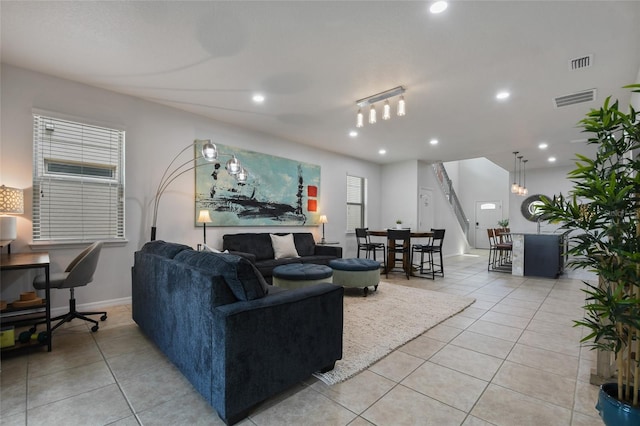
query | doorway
[425, 210]
[488, 213]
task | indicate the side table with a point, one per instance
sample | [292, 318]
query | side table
[18, 261]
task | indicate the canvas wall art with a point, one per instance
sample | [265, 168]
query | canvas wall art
[278, 192]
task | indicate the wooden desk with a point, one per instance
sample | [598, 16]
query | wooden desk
[406, 258]
[17, 261]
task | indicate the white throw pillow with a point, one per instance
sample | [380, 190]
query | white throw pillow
[212, 250]
[283, 246]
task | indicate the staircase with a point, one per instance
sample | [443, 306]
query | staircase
[447, 188]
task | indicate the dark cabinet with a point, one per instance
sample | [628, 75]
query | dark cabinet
[543, 255]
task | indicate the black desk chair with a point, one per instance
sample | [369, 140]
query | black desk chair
[365, 244]
[399, 249]
[79, 273]
[431, 248]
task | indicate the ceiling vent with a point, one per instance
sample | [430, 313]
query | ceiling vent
[581, 62]
[575, 98]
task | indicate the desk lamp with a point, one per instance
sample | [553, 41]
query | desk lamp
[11, 202]
[323, 220]
[204, 218]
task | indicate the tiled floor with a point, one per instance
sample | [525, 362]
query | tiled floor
[512, 358]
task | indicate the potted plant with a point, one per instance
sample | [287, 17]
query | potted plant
[604, 207]
[398, 224]
[503, 223]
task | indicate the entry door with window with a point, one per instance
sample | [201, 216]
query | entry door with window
[488, 213]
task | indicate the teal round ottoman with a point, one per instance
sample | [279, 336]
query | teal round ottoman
[298, 275]
[356, 272]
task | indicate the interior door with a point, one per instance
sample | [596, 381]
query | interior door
[425, 210]
[488, 213]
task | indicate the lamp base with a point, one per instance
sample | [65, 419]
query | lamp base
[8, 228]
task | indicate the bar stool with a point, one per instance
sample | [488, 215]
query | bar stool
[399, 249]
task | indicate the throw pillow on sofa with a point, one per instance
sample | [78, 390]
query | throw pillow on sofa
[244, 280]
[283, 246]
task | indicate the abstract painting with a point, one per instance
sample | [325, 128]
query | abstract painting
[278, 191]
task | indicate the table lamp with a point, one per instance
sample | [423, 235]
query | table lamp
[322, 220]
[204, 218]
[11, 202]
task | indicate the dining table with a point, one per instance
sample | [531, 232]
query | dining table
[406, 257]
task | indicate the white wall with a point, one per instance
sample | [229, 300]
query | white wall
[399, 189]
[549, 182]
[155, 133]
[481, 180]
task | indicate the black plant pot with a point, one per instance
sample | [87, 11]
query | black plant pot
[613, 411]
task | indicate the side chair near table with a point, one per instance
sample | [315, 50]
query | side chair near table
[500, 249]
[79, 273]
[365, 244]
[399, 249]
[431, 248]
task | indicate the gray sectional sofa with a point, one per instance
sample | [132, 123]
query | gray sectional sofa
[237, 339]
[257, 247]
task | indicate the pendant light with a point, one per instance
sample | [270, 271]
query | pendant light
[525, 191]
[359, 119]
[520, 176]
[372, 114]
[401, 107]
[386, 111]
[514, 185]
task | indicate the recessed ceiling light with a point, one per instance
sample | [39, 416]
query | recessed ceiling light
[258, 98]
[382, 151]
[438, 7]
[543, 145]
[353, 133]
[433, 141]
[552, 159]
[502, 95]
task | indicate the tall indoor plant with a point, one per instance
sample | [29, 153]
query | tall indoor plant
[603, 209]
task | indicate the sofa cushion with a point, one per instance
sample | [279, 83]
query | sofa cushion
[283, 246]
[258, 244]
[242, 277]
[163, 248]
[305, 244]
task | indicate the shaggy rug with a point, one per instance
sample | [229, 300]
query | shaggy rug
[386, 319]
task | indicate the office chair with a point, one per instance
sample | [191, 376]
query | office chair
[79, 273]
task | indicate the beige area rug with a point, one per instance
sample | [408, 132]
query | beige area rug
[386, 319]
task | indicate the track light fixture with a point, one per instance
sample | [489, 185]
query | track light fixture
[386, 110]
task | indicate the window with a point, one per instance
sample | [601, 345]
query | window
[78, 181]
[355, 202]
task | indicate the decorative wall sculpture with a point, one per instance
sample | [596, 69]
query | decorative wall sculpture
[279, 191]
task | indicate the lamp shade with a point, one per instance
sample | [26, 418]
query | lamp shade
[204, 217]
[11, 200]
[323, 219]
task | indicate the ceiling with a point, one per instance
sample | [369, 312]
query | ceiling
[312, 60]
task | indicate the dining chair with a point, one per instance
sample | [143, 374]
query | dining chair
[432, 247]
[364, 243]
[399, 249]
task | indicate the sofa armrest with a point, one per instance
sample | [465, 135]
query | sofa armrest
[328, 250]
[249, 256]
[269, 344]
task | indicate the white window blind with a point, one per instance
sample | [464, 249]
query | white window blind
[355, 202]
[78, 181]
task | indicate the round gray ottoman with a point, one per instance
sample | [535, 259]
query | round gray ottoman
[298, 275]
[356, 272]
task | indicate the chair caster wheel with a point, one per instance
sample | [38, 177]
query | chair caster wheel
[102, 318]
[94, 328]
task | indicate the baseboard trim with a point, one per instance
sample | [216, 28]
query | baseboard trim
[93, 306]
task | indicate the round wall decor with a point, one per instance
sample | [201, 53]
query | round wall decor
[529, 208]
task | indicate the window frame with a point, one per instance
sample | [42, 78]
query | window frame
[361, 202]
[101, 218]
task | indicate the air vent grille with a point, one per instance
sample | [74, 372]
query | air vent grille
[581, 62]
[575, 98]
